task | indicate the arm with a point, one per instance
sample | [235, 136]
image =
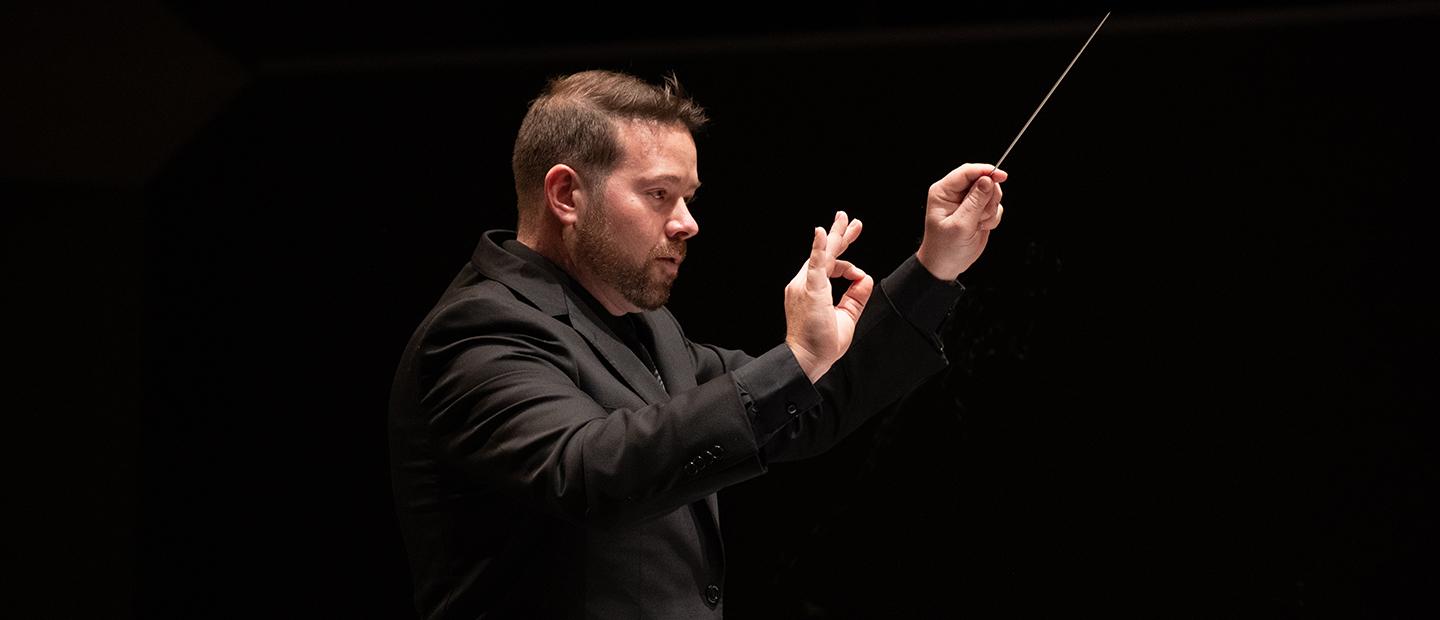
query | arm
[896, 347]
[861, 353]
[499, 388]
[503, 405]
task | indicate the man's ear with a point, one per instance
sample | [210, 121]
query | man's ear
[562, 190]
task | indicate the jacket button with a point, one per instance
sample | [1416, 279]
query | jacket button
[790, 408]
[712, 594]
[717, 451]
[691, 468]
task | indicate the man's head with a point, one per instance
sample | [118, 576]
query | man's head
[605, 166]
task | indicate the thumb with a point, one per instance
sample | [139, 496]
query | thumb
[976, 199]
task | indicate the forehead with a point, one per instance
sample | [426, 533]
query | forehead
[652, 149]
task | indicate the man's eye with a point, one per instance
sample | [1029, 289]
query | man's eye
[658, 194]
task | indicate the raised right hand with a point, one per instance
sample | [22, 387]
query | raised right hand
[960, 211]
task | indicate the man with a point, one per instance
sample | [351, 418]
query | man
[557, 442]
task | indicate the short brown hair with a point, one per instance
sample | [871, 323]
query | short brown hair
[572, 123]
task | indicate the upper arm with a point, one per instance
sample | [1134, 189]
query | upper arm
[501, 400]
[505, 406]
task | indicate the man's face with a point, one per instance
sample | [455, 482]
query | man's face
[631, 237]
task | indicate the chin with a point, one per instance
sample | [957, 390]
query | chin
[652, 299]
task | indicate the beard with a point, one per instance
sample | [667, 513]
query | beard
[636, 280]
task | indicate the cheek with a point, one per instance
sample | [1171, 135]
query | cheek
[637, 227]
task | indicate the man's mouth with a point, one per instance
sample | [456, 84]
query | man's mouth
[671, 264]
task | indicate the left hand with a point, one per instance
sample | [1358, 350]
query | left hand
[817, 330]
[960, 212]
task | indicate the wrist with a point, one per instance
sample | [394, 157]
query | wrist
[809, 363]
[942, 270]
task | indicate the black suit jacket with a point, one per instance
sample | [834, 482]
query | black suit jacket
[541, 470]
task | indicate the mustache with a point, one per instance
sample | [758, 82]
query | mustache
[676, 249]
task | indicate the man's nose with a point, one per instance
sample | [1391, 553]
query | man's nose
[682, 225]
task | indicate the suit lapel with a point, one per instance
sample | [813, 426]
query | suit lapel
[671, 356]
[678, 370]
[530, 280]
[621, 359]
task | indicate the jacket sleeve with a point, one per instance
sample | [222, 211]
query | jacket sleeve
[502, 403]
[896, 347]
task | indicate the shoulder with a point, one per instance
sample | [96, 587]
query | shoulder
[481, 302]
[487, 308]
[485, 331]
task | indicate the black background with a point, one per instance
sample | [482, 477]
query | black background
[1193, 376]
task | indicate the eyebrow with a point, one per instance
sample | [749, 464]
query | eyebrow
[670, 178]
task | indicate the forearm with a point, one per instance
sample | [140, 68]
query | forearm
[555, 447]
[896, 347]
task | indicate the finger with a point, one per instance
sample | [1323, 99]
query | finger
[817, 274]
[837, 233]
[845, 269]
[954, 185]
[982, 237]
[997, 174]
[993, 203]
[850, 272]
[815, 258]
[994, 221]
[854, 300]
[817, 248]
[851, 233]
